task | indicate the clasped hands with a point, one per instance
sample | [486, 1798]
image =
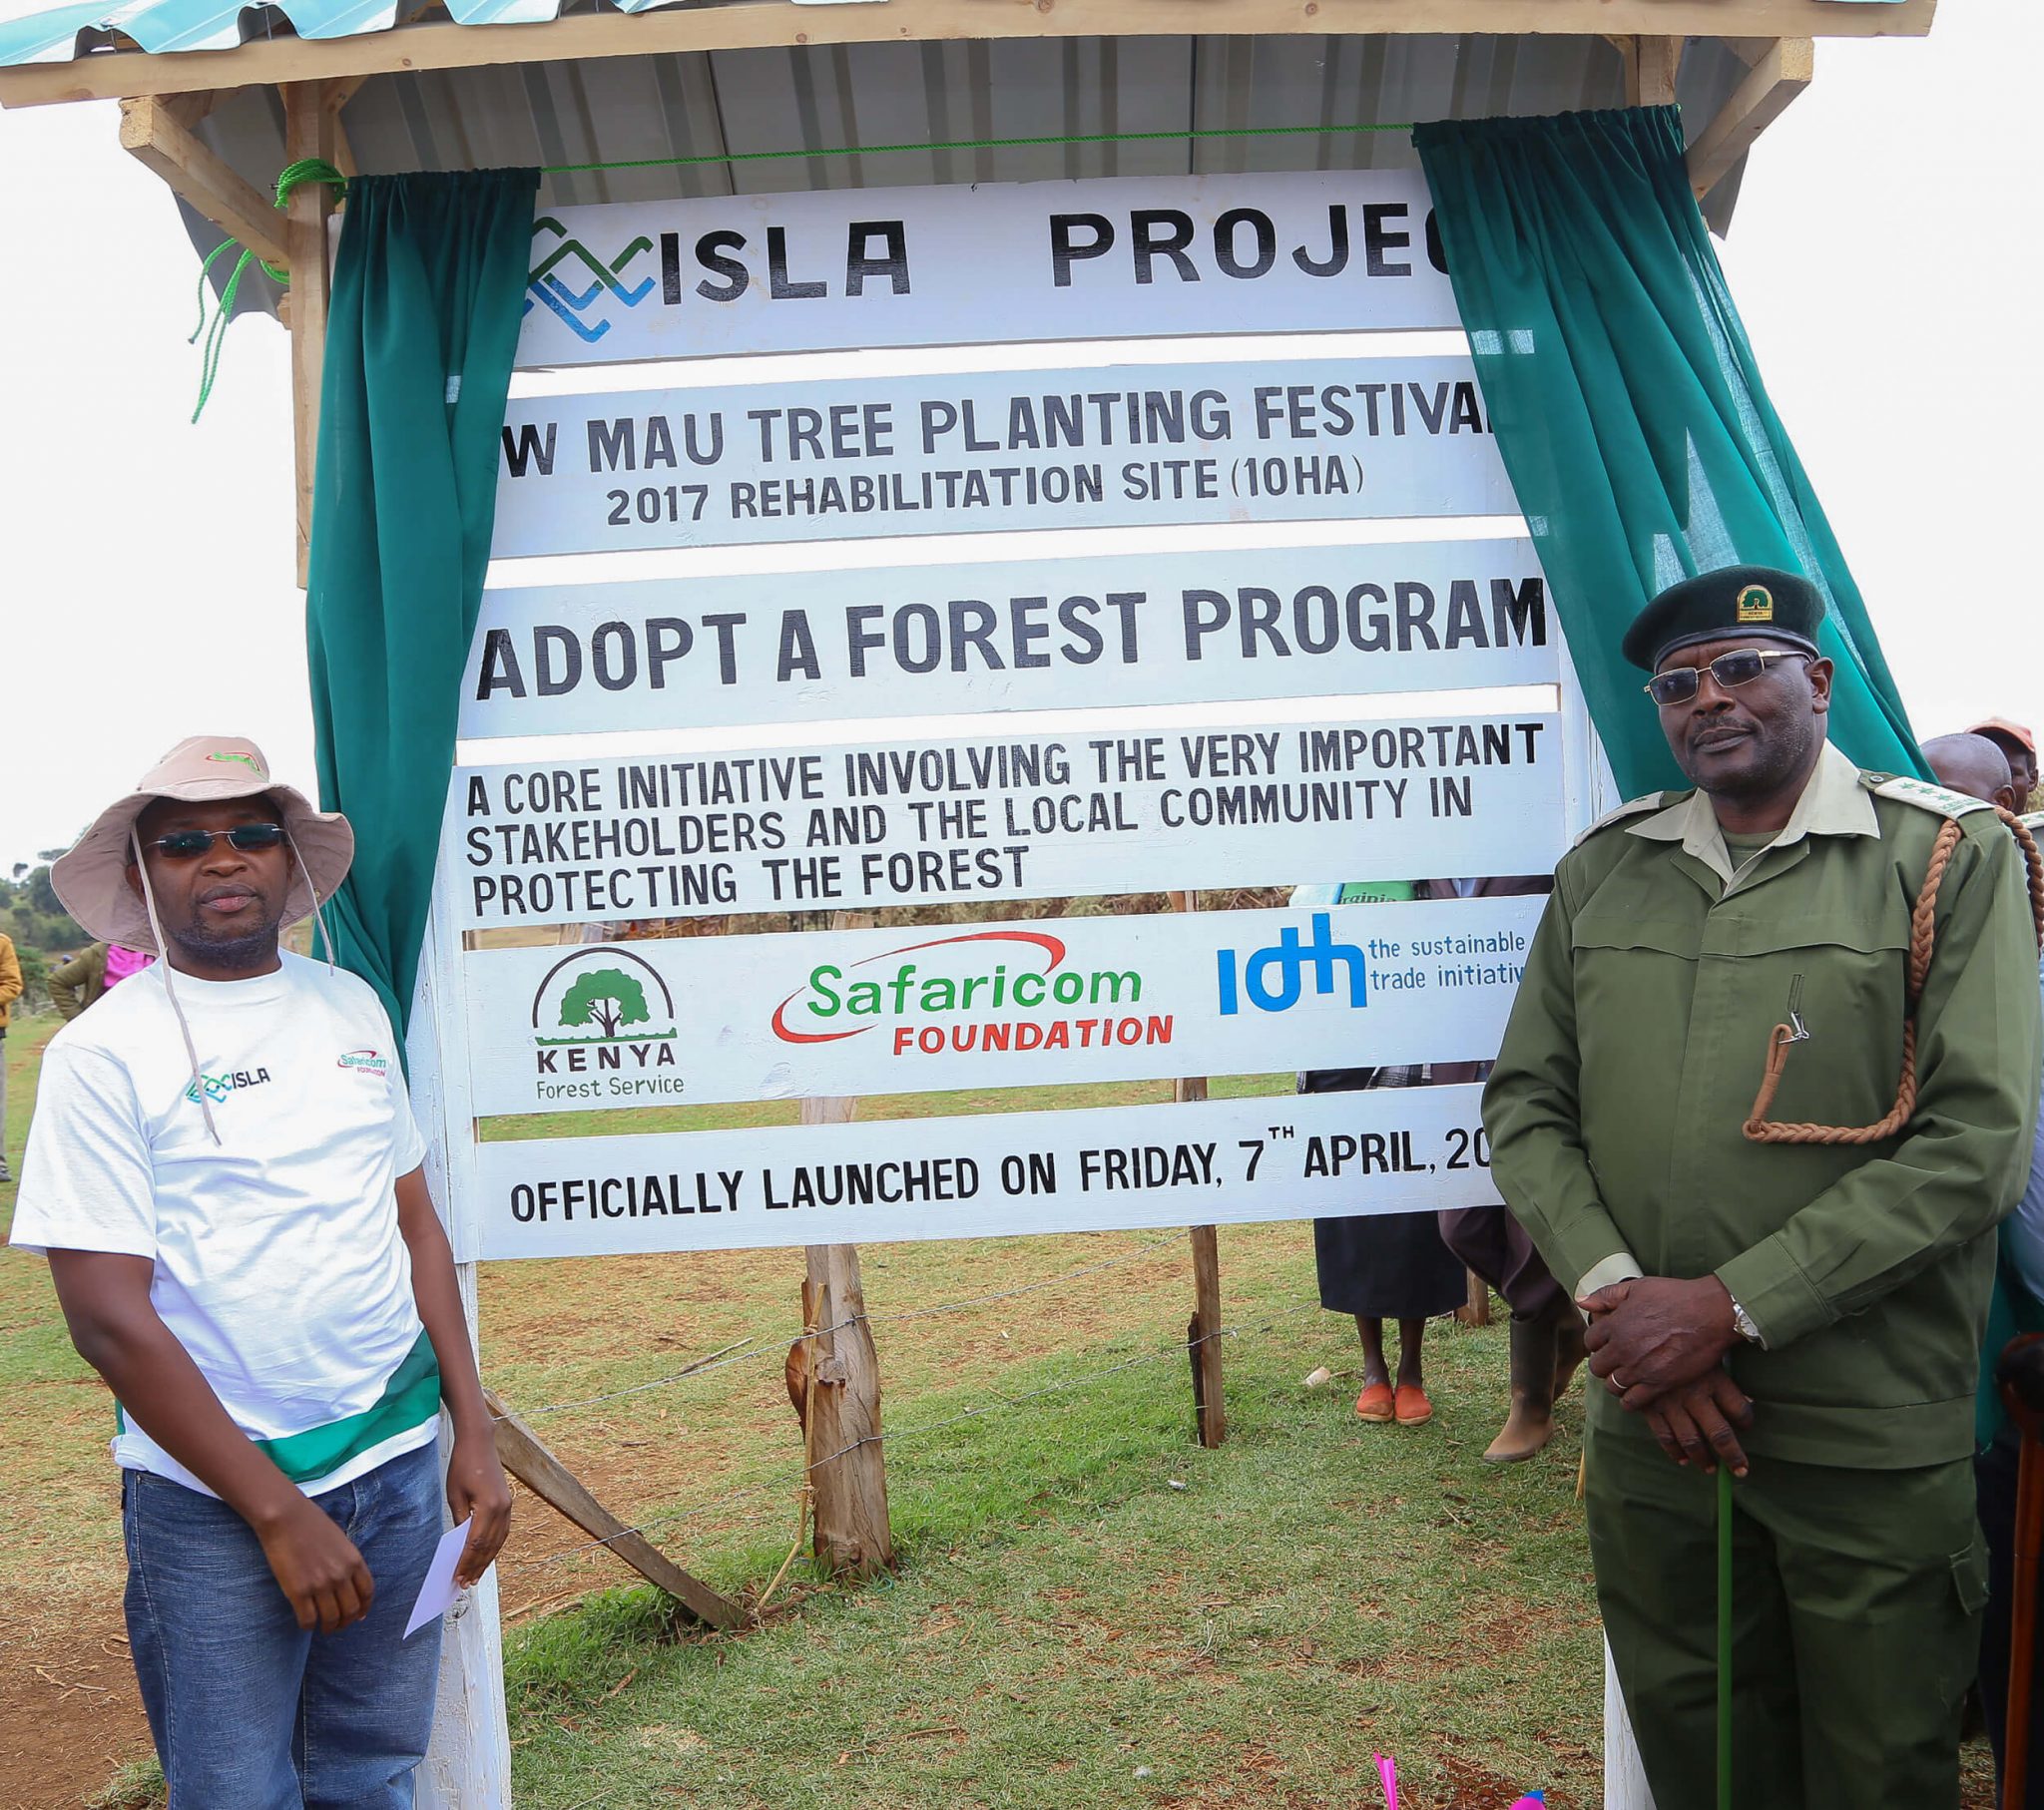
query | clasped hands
[1658, 1345]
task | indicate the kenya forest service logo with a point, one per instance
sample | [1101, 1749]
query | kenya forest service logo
[605, 1013]
[1756, 605]
[248, 761]
[554, 274]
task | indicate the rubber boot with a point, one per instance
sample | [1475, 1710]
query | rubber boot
[1569, 1349]
[1531, 1423]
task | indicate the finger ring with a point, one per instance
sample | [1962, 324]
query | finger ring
[1618, 1381]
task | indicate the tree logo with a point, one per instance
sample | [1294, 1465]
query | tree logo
[603, 1010]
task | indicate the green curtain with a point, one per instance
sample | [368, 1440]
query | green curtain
[428, 291]
[1628, 407]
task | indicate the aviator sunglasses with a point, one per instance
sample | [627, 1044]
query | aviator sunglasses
[186, 844]
[1739, 668]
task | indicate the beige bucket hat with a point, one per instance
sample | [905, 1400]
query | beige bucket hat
[92, 879]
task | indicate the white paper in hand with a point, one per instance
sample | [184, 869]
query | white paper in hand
[438, 1591]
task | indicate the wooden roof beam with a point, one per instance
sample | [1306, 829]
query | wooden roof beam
[152, 134]
[1776, 79]
[672, 29]
[1651, 65]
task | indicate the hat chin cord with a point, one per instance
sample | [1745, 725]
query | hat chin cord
[319, 911]
[163, 949]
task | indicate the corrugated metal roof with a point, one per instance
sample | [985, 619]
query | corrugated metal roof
[816, 97]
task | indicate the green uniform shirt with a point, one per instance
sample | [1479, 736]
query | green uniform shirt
[1638, 1040]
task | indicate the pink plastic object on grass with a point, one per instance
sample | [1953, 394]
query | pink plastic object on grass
[1388, 1773]
[1533, 1800]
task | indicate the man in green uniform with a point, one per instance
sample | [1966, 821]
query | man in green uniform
[1817, 1306]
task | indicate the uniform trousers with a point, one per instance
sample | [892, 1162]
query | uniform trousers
[1857, 1599]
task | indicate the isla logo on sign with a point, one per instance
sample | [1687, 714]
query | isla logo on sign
[592, 1017]
[1292, 961]
[550, 288]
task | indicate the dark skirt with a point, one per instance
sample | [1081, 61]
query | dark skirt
[1383, 1266]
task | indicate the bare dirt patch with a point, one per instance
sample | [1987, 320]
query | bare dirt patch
[70, 1716]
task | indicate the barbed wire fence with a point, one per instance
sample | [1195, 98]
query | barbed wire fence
[769, 1493]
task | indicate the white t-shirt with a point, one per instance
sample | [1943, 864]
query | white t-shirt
[279, 1263]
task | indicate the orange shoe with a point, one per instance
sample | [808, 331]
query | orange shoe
[1410, 1408]
[1376, 1404]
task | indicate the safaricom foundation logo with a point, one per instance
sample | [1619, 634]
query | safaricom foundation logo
[957, 992]
[603, 1021]
[554, 276]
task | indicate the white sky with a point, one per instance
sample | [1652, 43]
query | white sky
[1880, 256]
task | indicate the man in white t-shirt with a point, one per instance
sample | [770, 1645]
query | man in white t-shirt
[224, 1173]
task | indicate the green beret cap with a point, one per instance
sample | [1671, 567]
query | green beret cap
[1754, 603]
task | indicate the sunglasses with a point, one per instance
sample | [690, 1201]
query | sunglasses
[189, 844]
[1739, 668]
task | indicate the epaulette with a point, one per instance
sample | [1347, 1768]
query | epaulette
[1921, 793]
[2034, 823]
[1632, 808]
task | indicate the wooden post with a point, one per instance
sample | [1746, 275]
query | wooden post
[1476, 1310]
[527, 1459]
[1203, 1331]
[1651, 65]
[309, 129]
[842, 1394]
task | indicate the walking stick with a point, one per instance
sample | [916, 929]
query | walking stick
[1724, 1637]
[2029, 1540]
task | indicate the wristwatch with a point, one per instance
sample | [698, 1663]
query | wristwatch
[1742, 1323]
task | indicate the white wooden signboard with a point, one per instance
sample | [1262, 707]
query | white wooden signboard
[1017, 635]
[1387, 1151]
[1115, 259]
[1114, 446]
[567, 825]
[986, 1004]
[1029, 817]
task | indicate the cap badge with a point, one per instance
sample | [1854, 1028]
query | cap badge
[1756, 605]
[254, 767]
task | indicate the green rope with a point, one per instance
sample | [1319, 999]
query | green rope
[1724, 1636]
[1082, 138]
[305, 170]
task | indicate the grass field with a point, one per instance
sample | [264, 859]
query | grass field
[1090, 1611]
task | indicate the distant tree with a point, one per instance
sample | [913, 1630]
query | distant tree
[607, 997]
[42, 896]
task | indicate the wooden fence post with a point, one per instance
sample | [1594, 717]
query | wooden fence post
[1203, 1331]
[1476, 1310]
[841, 1392]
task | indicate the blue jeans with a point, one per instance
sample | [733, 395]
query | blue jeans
[248, 1710]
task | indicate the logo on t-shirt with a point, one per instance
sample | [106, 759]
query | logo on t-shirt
[218, 1086]
[364, 1062]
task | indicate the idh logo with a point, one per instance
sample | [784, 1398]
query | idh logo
[1274, 977]
[946, 994]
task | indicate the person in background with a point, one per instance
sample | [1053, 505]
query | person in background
[2020, 745]
[10, 991]
[1977, 765]
[1817, 1304]
[225, 1174]
[1382, 1266]
[85, 978]
[1546, 1330]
